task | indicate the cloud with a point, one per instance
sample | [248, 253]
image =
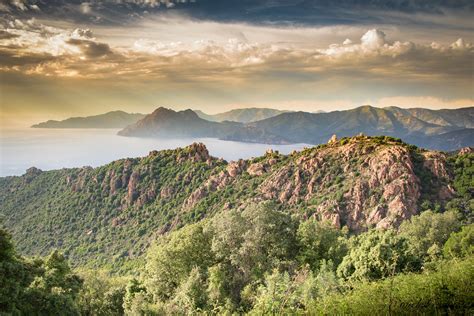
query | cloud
[19, 5]
[373, 39]
[86, 7]
[62, 52]
[155, 3]
[6, 35]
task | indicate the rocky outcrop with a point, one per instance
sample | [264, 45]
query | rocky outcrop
[436, 163]
[196, 152]
[78, 180]
[358, 184]
[256, 169]
[466, 150]
[147, 196]
[166, 192]
[333, 139]
[31, 173]
[234, 168]
[132, 192]
[214, 183]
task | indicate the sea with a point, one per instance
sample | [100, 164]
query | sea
[49, 149]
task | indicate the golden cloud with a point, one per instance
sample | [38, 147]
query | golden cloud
[29, 47]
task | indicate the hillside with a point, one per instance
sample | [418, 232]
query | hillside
[312, 128]
[444, 129]
[447, 141]
[168, 123]
[463, 117]
[114, 119]
[108, 215]
[245, 115]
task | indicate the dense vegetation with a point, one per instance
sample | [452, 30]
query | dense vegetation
[214, 255]
[106, 217]
[90, 213]
[261, 261]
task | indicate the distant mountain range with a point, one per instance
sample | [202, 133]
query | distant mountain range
[168, 123]
[436, 129]
[114, 119]
[246, 115]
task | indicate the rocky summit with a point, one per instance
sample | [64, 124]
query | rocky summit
[114, 211]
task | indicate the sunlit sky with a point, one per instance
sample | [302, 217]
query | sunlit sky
[63, 58]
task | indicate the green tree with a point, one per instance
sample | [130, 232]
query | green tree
[172, 258]
[55, 288]
[269, 242]
[377, 254]
[15, 276]
[464, 175]
[138, 302]
[429, 231]
[320, 241]
[191, 296]
[460, 244]
[101, 294]
[247, 245]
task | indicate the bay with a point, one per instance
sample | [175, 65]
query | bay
[49, 149]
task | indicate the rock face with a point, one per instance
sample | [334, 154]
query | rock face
[359, 185]
[31, 173]
[128, 177]
[235, 168]
[466, 150]
[333, 139]
[196, 152]
[256, 169]
[355, 182]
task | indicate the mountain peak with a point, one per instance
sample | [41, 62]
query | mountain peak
[166, 111]
[161, 110]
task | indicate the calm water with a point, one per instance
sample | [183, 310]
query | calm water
[57, 148]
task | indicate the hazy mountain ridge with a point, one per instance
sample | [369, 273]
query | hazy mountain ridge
[113, 119]
[303, 127]
[168, 123]
[316, 128]
[462, 117]
[104, 216]
[245, 115]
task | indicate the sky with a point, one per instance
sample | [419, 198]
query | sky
[63, 58]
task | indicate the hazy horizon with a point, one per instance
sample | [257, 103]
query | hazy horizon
[28, 124]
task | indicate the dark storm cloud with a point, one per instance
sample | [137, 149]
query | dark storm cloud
[89, 48]
[286, 12]
[315, 11]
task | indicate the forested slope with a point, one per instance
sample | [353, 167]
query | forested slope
[108, 215]
[360, 225]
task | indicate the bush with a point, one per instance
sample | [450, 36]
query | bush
[446, 291]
